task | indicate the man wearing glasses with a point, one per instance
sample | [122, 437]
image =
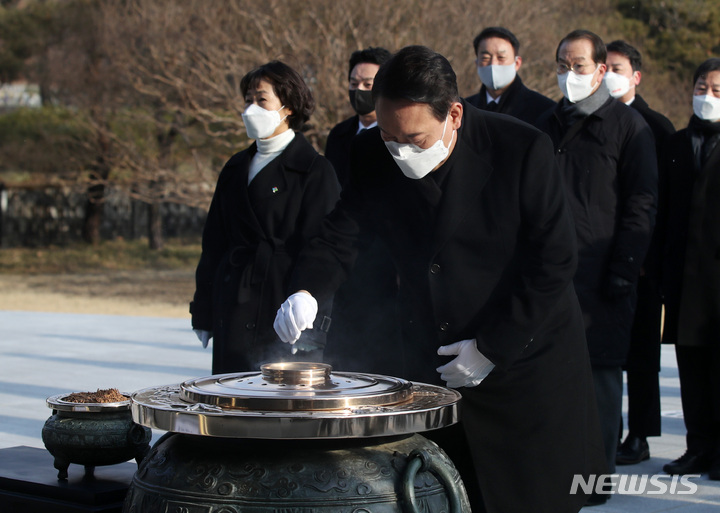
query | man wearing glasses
[611, 180]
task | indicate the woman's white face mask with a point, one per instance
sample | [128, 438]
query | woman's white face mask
[706, 107]
[576, 87]
[261, 123]
[416, 162]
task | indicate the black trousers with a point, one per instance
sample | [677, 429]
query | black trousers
[643, 363]
[608, 394]
[699, 369]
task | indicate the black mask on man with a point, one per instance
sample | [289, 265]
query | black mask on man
[361, 100]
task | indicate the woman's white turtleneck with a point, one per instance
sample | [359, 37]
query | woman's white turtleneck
[268, 149]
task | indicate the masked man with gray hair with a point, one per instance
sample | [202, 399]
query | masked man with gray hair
[606, 153]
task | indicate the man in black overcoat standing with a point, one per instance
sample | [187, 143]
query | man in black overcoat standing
[690, 222]
[472, 208]
[364, 312]
[498, 60]
[363, 65]
[610, 177]
[624, 74]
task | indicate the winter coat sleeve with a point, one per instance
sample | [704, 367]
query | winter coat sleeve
[214, 246]
[547, 251]
[320, 195]
[327, 260]
[637, 200]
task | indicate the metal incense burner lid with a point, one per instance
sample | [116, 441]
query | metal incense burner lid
[298, 400]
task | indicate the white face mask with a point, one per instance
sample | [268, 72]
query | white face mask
[616, 84]
[261, 123]
[496, 76]
[706, 107]
[576, 87]
[416, 162]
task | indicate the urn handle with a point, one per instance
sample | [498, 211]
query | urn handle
[421, 460]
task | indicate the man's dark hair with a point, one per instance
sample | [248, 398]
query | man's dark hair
[418, 74]
[629, 51]
[289, 87]
[500, 32]
[599, 54]
[712, 64]
[372, 55]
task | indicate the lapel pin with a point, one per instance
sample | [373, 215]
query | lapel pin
[274, 190]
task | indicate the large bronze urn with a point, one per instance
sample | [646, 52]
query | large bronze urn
[296, 438]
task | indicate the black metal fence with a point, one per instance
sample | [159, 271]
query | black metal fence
[41, 216]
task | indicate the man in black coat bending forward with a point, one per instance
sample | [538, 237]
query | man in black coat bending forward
[472, 209]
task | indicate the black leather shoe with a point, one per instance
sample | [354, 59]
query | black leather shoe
[633, 450]
[596, 499]
[689, 463]
[714, 472]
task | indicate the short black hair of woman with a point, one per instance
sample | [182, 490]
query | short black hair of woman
[372, 55]
[288, 86]
[419, 75]
[599, 54]
[499, 32]
[630, 52]
[712, 64]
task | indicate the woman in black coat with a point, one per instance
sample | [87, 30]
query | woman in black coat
[691, 271]
[269, 200]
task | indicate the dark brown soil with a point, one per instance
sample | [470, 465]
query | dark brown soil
[109, 395]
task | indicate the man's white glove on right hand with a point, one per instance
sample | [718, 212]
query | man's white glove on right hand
[468, 369]
[295, 315]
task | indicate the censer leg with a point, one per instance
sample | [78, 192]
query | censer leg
[89, 472]
[62, 466]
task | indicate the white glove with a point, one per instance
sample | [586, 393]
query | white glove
[203, 336]
[296, 314]
[468, 369]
